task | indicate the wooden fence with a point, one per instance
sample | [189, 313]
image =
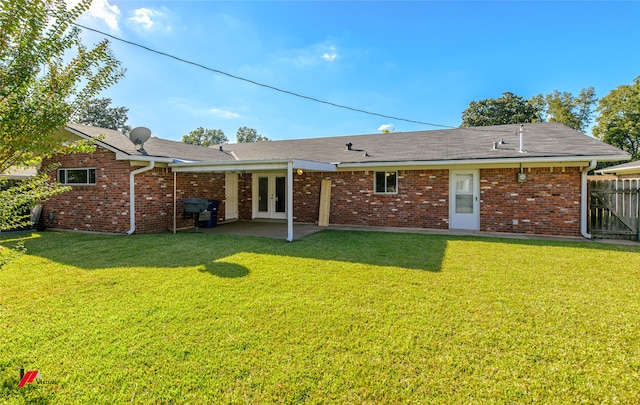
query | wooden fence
[613, 209]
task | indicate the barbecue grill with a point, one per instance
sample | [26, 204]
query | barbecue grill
[195, 206]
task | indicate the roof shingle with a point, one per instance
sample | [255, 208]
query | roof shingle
[540, 140]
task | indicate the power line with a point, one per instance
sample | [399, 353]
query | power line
[262, 84]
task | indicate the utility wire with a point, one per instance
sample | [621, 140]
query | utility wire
[262, 84]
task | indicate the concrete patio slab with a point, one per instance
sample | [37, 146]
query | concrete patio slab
[262, 228]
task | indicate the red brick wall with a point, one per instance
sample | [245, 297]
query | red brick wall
[199, 185]
[104, 207]
[306, 196]
[244, 196]
[421, 201]
[547, 203]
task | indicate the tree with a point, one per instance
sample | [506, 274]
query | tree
[205, 137]
[508, 109]
[46, 74]
[618, 122]
[97, 112]
[244, 135]
[574, 112]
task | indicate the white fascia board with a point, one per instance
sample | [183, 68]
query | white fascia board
[143, 158]
[251, 165]
[618, 171]
[476, 162]
[227, 166]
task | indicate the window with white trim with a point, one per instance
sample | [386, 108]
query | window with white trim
[77, 177]
[386, 182]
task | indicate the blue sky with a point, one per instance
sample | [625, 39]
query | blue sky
[419, 60]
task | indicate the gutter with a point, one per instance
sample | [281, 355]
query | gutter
[484, 161]
[584, 193]
[132, 195]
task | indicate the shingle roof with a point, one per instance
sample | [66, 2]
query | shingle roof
[541, 140]
[548, 140]
[156, 147]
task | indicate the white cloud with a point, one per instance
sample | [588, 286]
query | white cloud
[312, 55]
[144, 16]
[150, 19]
[101, 10]
[331, 55]
[224, 114]
[329, 58]
[387, 128]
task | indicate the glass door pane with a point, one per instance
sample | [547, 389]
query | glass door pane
[281, 192]
[464, 193]
[263, 194]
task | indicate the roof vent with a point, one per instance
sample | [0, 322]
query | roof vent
[220, 148]
[349, 145]
[521, 150]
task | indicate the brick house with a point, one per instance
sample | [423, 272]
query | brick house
[508, 178]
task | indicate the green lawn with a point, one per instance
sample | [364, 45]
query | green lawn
[337, 317]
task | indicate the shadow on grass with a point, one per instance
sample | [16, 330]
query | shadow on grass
[403, 250]
[226, 270]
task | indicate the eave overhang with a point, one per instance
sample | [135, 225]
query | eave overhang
[143, 158]
[252, 165]
[558, 160]
[624, 170]
[97, 141]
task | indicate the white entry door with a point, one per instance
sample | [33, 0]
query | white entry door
[270, 195]
[464, 200]
[231, 196]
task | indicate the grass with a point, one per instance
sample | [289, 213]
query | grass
[337, 317]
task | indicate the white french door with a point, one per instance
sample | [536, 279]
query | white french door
[270, 195]
[464, 199]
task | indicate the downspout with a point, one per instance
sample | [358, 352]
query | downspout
[584, 199]
[132, 195]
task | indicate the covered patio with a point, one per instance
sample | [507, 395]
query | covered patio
[283, 228]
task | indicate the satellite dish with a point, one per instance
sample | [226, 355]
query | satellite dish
[139, 135]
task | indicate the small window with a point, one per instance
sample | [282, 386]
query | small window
[77, 177]
[386, 182]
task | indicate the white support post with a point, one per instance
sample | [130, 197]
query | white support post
[290, 201]
[174, 202]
